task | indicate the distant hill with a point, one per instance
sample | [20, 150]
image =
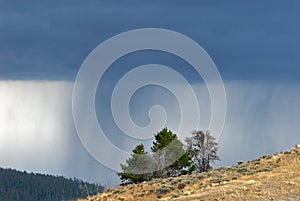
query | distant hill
[269, 177]
[22, 186]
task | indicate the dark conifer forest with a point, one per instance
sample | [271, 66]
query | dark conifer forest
[16, 185]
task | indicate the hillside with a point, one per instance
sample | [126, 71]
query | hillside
[269, 177]
[16, 185]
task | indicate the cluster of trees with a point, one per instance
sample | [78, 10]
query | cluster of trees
[17, 185]
[170, 157]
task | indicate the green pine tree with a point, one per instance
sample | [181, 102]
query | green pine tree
[170, 157]
[138, 168]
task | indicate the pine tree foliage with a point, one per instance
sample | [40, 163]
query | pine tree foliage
[168, 158]
[138, 167]
[16, 185]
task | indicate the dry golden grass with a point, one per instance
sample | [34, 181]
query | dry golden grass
[270, 177]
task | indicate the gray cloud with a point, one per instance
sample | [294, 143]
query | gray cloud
[254, 45]
[42, 40]
[37, 131]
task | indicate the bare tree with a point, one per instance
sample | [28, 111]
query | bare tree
[202, 148]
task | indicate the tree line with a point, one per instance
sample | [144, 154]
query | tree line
[170, 157]
[17, 185]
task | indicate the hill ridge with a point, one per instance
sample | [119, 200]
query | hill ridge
[269, 177]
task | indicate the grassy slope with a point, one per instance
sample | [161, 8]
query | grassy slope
[270, 177]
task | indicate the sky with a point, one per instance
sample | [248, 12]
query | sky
[254, 45]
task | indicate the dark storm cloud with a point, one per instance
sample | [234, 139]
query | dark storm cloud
[252, 43]
[50, 40]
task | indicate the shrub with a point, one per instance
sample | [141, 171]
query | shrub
[170, 179]
[266, 156]
[186, 181]
[256, 162]
[159, 179]
[216, 180]
[267, 169]
[174, 182]
[151, 191]
[187, 193]
[242, 165]
[240, 162]
[202, 176]
[174, 196]
[119, 191]
[164, 189]
[181, 186]
[243, 170]
[250, 172]
[234, 177]
[141, 194]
